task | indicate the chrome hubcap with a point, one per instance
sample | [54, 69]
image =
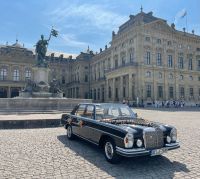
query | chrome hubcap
[109, 150]
[69, 132]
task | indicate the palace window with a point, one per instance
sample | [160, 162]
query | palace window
[109, 92]
[148, 91]
[182, 92]
[160, 75]
[95, 97]
[160, 91]
[124, 92]
[170, 61]
[199, 78]
[16, 75]
[63, 80]
[199, 91]
[3, 74]
[148, 74]
[198, 65]
[148, 58]
[98, 94]
[147, 39]
[159, 60]
[131, 56]
[123, 61]
[190, 64]
[116, 63]
[180, 63]
[190, 77]
[28, 74]
[191, 92]
[86, 78]
[171, 92]
[169, 43]
[159, 41]
[170, 76]
[181, 77]
[130, 41]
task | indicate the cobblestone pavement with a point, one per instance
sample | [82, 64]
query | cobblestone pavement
[46, 153]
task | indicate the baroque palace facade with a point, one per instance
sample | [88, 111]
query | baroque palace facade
[148, 60]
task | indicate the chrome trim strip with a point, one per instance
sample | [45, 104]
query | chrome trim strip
[132, 152]
[172, 144]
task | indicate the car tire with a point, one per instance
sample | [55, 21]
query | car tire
[110, 152]
[70, 134]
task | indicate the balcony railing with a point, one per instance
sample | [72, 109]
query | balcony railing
[122, 66]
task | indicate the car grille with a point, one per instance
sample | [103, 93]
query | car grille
[153, 139]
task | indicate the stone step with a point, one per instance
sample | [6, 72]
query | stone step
[29, 124]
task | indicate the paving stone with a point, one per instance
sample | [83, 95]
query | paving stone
[46, 153]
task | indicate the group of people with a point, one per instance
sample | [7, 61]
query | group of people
[169, 104]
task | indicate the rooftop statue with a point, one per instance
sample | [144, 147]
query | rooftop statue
[41, 48]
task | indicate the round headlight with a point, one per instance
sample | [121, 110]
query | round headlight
[173, 135]
[139, 143]
[168, 139]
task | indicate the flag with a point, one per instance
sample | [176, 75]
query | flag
[54, 32]
[184, 13]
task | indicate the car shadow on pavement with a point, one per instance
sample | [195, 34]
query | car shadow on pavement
[138, 167]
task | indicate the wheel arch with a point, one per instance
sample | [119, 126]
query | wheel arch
[103, 138]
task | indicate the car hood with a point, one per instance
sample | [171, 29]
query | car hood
[138, 126]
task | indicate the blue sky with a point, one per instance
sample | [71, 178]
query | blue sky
[82, 23]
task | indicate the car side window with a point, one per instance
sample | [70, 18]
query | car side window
[89, 113]
[81, 110]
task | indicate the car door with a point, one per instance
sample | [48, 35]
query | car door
[77, 121]
[87, 122]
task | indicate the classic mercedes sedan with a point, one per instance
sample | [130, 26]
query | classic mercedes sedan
[116, 129]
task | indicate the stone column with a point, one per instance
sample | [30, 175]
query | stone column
[130, 86]
[8, 92]
[113, 89]
[121, 86]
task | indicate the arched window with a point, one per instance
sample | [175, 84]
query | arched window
[16, 75]
[3, 74]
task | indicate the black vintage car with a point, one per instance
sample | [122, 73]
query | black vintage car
[116, 129]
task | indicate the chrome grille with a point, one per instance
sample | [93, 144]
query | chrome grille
[153, 138]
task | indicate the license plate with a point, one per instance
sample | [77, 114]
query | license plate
[158, 151]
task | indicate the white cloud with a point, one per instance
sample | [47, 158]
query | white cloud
[89, 14]
[71, 41]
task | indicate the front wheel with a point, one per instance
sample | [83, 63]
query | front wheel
[70, 135]
[110, 152]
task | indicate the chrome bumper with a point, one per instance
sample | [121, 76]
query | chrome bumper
[142, 151]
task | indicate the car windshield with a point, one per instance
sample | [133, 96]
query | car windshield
[110, 111]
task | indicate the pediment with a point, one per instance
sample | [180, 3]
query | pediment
[160, 25]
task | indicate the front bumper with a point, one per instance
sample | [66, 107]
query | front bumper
[142, 151]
